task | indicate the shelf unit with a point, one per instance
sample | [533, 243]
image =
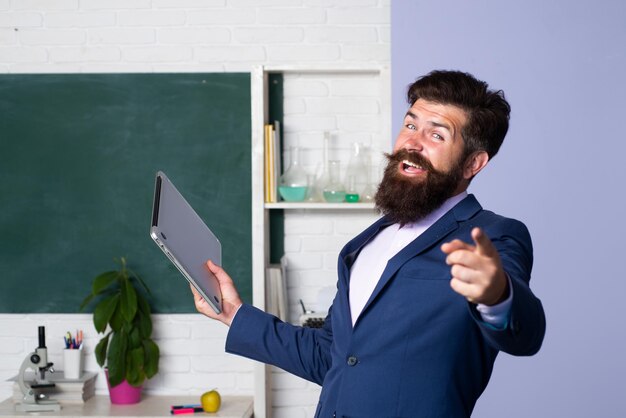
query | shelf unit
[261, 210]
[334, 206]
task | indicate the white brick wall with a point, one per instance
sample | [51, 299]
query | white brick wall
[74, 36]
[230, 35]
[192, 352]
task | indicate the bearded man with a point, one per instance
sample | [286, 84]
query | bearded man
[426, 296]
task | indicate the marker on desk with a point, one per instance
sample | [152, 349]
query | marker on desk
[186, 411]
[193, 405]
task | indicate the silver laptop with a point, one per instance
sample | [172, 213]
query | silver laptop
[186, 240]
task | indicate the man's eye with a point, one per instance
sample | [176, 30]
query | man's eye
[438, 137]
[410, 126]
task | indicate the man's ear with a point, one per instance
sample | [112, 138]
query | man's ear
[474, 163]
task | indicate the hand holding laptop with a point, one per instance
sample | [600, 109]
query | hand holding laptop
[187, 241]
[231, 301]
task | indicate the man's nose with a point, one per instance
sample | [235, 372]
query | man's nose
[414, 142]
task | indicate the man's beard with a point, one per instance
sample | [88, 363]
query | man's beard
[405, 200]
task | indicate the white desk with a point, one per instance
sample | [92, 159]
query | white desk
[150, 406]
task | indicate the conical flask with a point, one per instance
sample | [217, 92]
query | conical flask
[369, 191]
[292, 185]
[334, 191]
[356, 174]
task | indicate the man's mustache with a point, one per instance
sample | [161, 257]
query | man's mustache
[412, 156]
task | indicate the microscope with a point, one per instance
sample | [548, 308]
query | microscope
[38, 361]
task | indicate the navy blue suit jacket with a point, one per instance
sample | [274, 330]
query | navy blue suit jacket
[418, 349]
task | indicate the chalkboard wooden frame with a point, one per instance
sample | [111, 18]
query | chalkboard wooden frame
[78, 157]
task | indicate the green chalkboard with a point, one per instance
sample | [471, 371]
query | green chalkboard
[78, 156]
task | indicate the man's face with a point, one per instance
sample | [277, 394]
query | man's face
[427, 164]
[433, 131]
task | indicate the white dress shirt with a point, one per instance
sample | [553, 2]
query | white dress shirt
[372, 260]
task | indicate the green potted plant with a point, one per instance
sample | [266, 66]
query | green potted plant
[126, 350]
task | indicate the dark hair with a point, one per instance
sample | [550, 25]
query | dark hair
[487, 110]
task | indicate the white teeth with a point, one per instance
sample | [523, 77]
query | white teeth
[407, 162]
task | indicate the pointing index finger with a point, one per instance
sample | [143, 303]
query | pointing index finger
[484, 246]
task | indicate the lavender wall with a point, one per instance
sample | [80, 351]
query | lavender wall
[562, 66]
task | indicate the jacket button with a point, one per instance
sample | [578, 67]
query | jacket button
[352, 360]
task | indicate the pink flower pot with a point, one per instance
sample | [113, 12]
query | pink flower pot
[123, 394]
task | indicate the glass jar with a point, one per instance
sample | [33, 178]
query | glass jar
[292, 185]
[334, 191]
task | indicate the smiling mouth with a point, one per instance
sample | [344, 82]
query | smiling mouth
[411, 168]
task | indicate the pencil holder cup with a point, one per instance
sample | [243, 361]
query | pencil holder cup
[72, 363]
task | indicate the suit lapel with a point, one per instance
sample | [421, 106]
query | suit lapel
[351, 251]
[347, 257]
[464, 210]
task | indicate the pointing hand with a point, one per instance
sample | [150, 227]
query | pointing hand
[476, 270]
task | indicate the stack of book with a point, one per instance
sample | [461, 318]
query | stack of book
[66, 391]
[273, 164]
[276, 290]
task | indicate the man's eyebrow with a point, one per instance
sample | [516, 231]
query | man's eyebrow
[441, 125]
[433, 123]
